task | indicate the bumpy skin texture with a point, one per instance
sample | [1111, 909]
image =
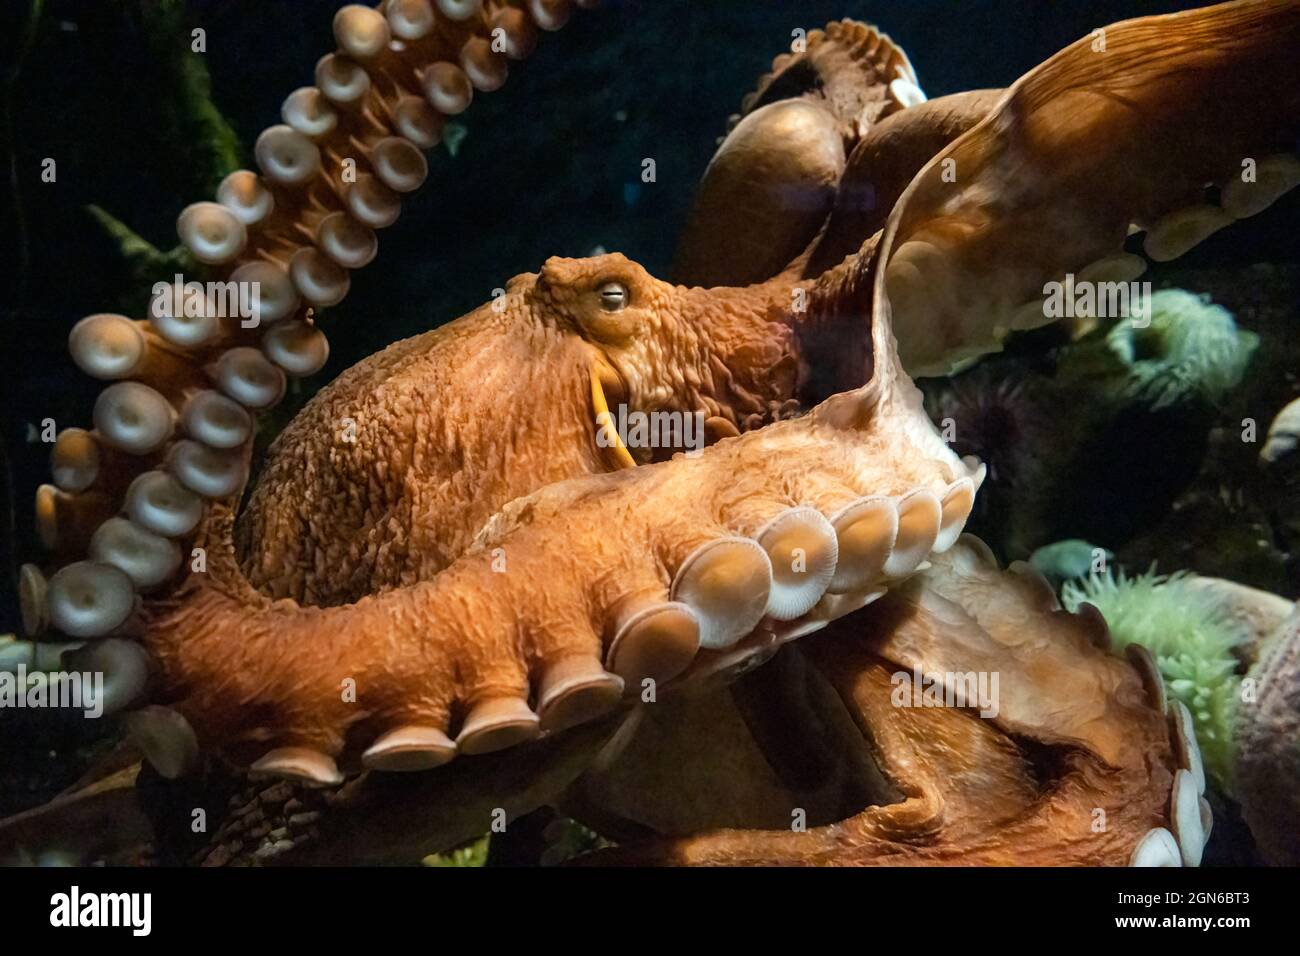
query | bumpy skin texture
[469, 604]
[388, 474]
[1268, 759]
[427, 653]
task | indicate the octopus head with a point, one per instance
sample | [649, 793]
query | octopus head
[619, 308]
[723, 355]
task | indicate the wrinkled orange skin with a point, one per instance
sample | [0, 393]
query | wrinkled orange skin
[387, 475]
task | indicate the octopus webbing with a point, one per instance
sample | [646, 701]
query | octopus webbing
[456, 562]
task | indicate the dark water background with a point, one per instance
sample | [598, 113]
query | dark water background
[550, 166]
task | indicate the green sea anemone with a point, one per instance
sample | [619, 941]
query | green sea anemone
[1192, 639]
[1186, 347]
[1069, 559]
[473, 853]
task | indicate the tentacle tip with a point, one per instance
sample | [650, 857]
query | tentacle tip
[299, 764]
[166, 739]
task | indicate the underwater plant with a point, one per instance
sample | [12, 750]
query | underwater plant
[1193, 639]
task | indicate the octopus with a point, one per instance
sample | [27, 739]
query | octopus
[463, 586]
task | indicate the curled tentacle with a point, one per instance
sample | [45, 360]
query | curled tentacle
[1068, 737]
[882, 165]
[1080, 148]
[771, 184]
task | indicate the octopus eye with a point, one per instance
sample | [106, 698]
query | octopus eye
[613, 297]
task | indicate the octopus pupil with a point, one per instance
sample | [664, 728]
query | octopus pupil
[613, 297]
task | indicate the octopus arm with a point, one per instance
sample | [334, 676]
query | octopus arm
[173, 428]
[1070, 761]
[1121, 132]
[770, 186]
[651, 577]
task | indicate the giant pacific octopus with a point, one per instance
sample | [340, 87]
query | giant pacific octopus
[455, 530]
